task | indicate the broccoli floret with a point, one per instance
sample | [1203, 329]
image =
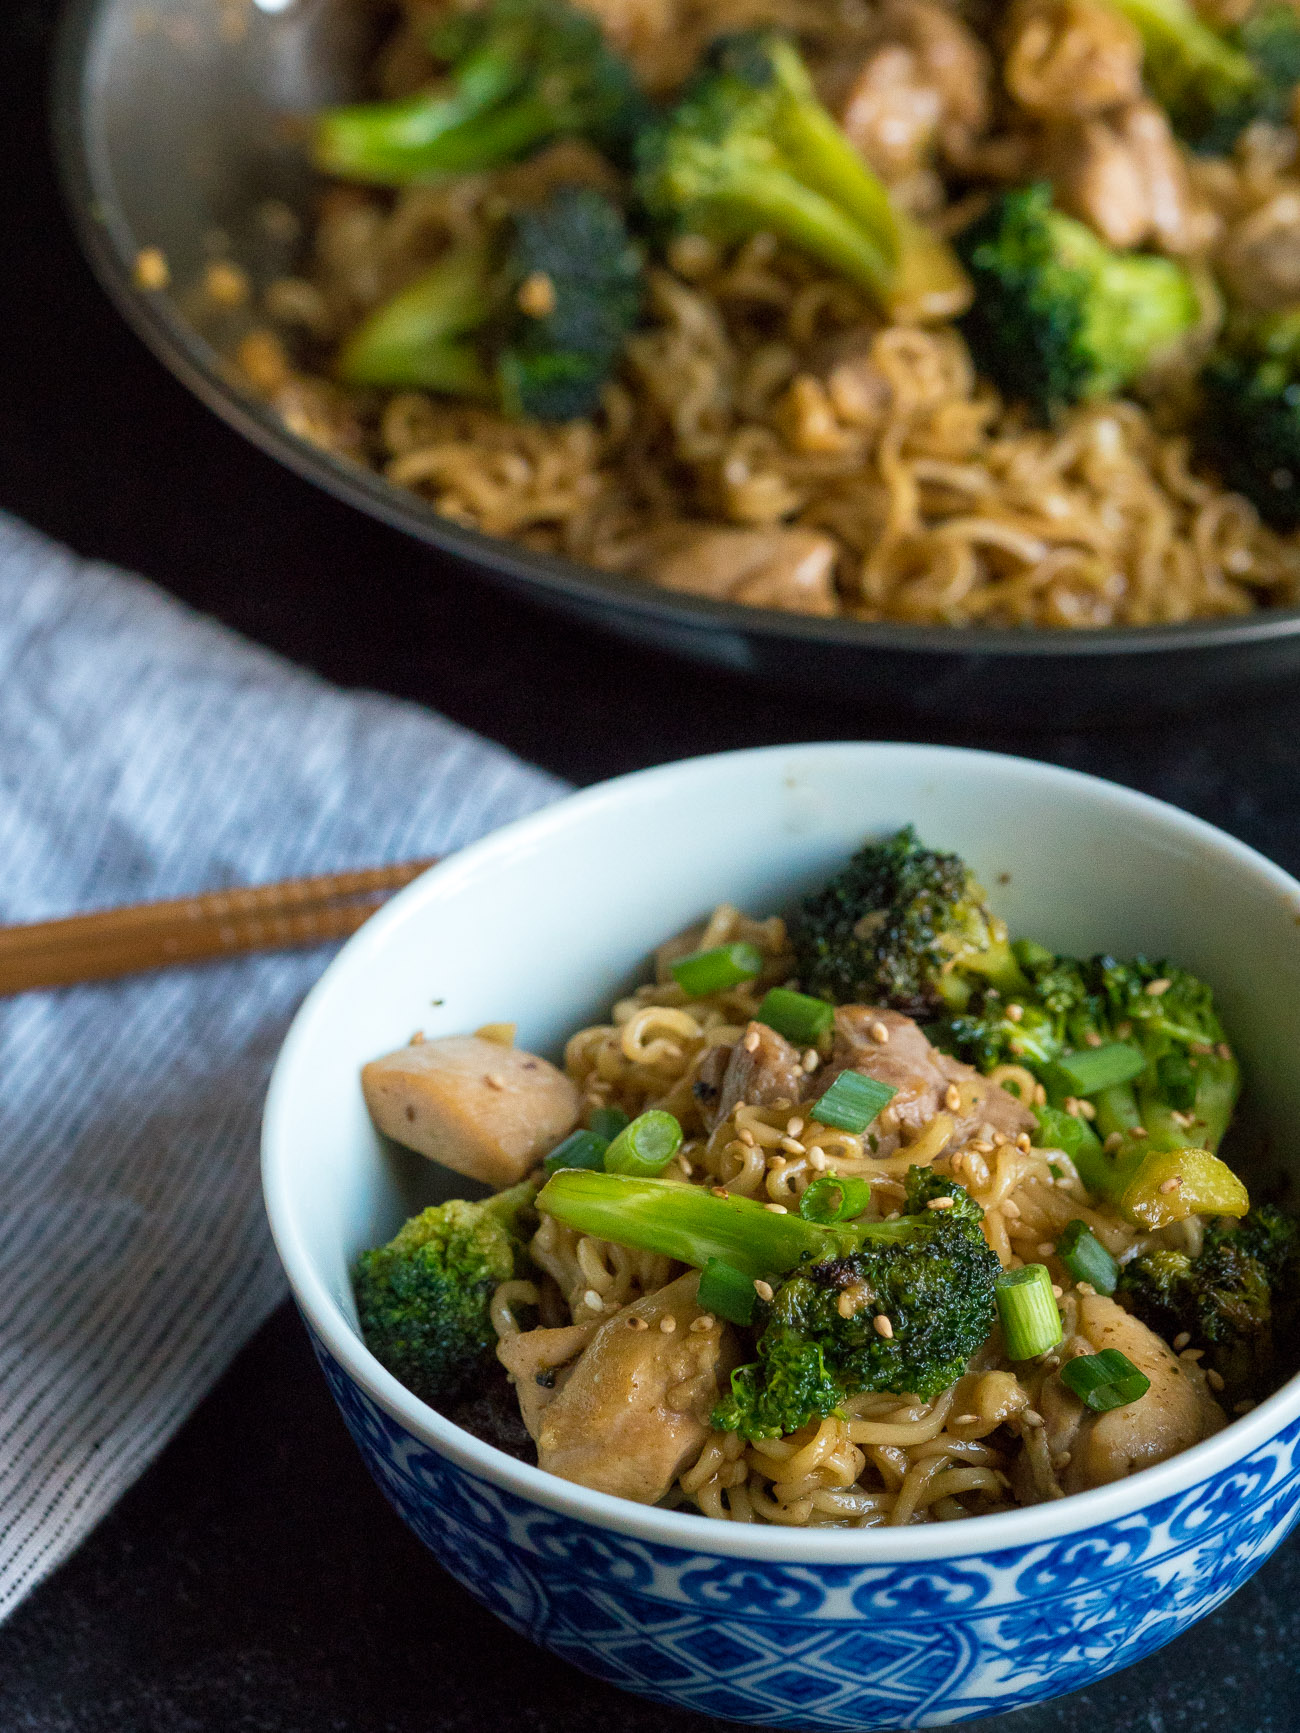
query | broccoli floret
[1236, 1299]
[905, 926]
[749, 148]
[535, 327]
[1249, 426]
[929, 1271]
[423, 1299]
[520, 73]
[1214, 85]
[1059, 317]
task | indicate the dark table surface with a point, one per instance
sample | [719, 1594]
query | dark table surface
[254, 1580]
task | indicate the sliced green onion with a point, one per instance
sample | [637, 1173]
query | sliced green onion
[1092, 1069]
[607, 1122]
[798, 1016]
[852, 1102]
[579, 1149]
[1027, 1311]
[727, 1291]
[705, 972]
[831, 1199]
[646, 1146]
[1105, 1381]
[1086, 1258]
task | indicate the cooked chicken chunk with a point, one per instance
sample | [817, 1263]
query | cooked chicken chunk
[760, 1069]
[789, 569]
[1177, 1411]
[921, 1075]
[634, 1410]
[925, 83]
[484, 1110]
[539, 1363]
[1072, 57]
[1261, 257]
[1124, 174]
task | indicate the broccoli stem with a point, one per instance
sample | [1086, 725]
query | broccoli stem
[1180, 46]
[416, 338]
[690, 1224]
[769, 198]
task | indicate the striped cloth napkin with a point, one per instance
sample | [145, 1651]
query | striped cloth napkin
[148, 752]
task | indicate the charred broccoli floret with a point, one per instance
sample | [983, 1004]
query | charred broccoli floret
[1213, 85]
[520, 73]
[749, 147]
[535, 325]
[902, 925]
[1249, 427]
[423, 1299]
[1237, 1299]
[929, 1272]
[1059, 317]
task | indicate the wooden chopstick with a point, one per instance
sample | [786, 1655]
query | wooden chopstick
[143, 936]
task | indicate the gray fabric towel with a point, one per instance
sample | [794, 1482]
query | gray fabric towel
[146, 752]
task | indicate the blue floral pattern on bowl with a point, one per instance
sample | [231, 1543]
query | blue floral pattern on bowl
[836, 1646]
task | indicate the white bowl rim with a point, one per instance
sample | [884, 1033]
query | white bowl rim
[1032, 1525]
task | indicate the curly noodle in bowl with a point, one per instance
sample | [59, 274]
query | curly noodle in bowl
[866, 1217]
[1016, 343]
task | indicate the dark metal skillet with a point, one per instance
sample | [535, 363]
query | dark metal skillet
[170, 117]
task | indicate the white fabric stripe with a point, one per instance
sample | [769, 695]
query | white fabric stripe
[145, 752]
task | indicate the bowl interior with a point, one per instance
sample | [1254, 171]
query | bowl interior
[546, 922]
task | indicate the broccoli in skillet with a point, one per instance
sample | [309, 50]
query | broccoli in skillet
[422, 1300]
[1059, 317]
[535, 327]
[930, 1273]
[1237, 1299]
[749, 147]
[1213, 85]
[902, 925]
[520, 73]
[1249, 430]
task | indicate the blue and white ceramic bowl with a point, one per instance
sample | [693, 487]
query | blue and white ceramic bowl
[544, 923]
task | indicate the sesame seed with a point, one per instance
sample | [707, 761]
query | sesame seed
[1124, 1030]
[844, 1305]
[1047, 1249]
[1000, 1140]
[1214, 1379]
[1192, 1354]
[1062, 1459]
[776, 1209]
[1173, 1183]
[635, 1323]
[1032, 1417]
[719, 1191]
[965, 1420]
[1156, 988]
[1092, 1039]
[1202, 1049]
[792, 1146]
[940, 1203]
[1113, 1142]
[417, 1040]
[811, 1060]
[1085, 1287]
[747, 1138]
[495, 1080]
[1011, 1208]
[1015, 1012]
[1138, 1131]
[751, 1041]
[952, 1098]
[794, 1127]
[592, 1298]
[1051, 1361]
[1223, 1050]
[983, 1147]
[882, 1326]
[880, 1033]
[1024, 1141]
[536, 296]
[685, 1166]
[1058, 1290]
[1181, 1340]
[703, 1325]
[817, 1158]
[762, 1289]
[668, 1325]
[1181, 1118]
